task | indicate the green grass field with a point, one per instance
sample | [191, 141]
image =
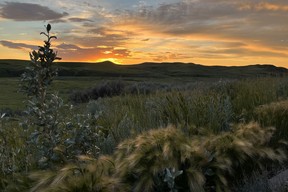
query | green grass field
[79, 76]
[220, 127]
[11, 98]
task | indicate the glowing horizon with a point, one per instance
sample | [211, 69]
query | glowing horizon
[208, 32]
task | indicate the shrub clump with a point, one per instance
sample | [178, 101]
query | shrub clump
[169, 160]
[106, 89]
[274, 114]
[116, 88]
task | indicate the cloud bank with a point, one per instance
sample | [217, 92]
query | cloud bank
[230, 32]
[12, 45]
[28, 12]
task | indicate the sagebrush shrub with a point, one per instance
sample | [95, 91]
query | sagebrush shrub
[105, 89]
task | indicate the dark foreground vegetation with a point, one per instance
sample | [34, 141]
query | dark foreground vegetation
[201, 138]
[229, 135]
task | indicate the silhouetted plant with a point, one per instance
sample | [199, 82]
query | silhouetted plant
[40, 74]
[36, 79]
[42, 106]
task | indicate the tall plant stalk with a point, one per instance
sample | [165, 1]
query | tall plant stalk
[42, 106]
[39, 75]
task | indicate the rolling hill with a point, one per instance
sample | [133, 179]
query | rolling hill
[14, 68]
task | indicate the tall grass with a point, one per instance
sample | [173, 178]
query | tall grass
[214, 108]
[204, 142]
[203, 163]
[248, 94]
[124, 117]
[274, 114]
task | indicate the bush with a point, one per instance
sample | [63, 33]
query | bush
[105, 89]
[116, 88]
[142, 160]
[274, 114]
[169, 160]
[145, 88]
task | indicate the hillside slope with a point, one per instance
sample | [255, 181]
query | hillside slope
[14, 68]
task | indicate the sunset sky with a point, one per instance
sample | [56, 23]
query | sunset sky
[210, 32]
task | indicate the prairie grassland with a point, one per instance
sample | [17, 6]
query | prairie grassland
[11, 98]
[191, 137]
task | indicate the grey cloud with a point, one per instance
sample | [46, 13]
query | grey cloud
[98, 30]
[58, 21]
[28, 12]
[101, 36]
[109, 31]
[107, 40]
[184, 12]
[13, 45]
[68, 46]
[76, 19]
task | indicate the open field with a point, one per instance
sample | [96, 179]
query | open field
[134, 131]
[144, 96]
[11, 98]
[79, 76]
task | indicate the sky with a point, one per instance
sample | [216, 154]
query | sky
[209, 32]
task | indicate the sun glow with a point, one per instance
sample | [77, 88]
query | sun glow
[116, 61]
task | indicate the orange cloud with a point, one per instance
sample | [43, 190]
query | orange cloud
[263, 6]
[227, 32]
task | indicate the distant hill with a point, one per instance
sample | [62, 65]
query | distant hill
[14, 68]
